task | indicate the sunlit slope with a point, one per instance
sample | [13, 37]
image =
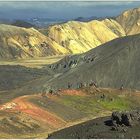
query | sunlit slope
[130, 21]
[72, 37]
[18, 42]
[78, 37]
[114, 26]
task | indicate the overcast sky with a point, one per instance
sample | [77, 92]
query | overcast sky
[66, 10]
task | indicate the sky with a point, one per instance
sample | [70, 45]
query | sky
[61, 9]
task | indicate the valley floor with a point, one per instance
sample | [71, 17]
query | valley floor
[38, 62]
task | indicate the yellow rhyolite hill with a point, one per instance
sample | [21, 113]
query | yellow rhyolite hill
[17, 42]
[130, 21]
[72, 37]
[78, 37]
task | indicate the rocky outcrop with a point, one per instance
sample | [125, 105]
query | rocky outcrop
[124, 119]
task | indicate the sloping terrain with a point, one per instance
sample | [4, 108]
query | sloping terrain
[16, 76]
[35, 116]
[130, 21]
[46, 99]
[19, 125]
[69, 38]
[80, 37]
[109, 65]
[72, 37]
[22, 23]
[97, 129]
[18, 42]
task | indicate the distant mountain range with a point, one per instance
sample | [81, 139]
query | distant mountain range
[86, 19]
[45, 22]
[22, 23]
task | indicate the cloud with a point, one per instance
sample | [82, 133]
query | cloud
[47, 4]
[67, 9]
[99, 3]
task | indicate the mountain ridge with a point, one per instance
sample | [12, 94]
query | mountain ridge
[72, 37]
[130, 21]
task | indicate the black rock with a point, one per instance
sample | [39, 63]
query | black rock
[125, 118]
[116, 116]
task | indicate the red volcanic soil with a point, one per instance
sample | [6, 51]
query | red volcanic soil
[23, 105]
[73, 92]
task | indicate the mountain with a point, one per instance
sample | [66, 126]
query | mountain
[109, 65]
[130, 21]
[86, 19]
[5, 21]
[79, 37]
[72, 37]
[18, 42]
[69, 38]
[22, 23]
[45, 22]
